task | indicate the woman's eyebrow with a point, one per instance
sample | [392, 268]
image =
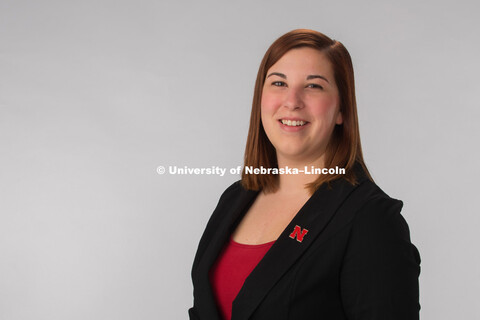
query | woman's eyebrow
[316, 76]
[281, 75]
[310, 77]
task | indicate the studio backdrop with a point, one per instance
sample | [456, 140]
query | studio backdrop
[100, 99]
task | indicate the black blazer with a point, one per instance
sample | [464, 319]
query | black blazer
[355, 261]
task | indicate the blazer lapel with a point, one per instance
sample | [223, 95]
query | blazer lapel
[313, 217]
[207, 307]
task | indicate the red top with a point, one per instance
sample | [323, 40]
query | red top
[229, 272]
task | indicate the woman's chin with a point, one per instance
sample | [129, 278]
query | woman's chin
[291, 156]
[297, 157]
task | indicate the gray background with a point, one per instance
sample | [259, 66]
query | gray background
[94, 95]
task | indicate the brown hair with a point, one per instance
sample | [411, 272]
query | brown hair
[343, 149]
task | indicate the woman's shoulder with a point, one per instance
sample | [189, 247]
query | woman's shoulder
[380, 214]
[375, 197]
[230, 194]
[233, 190]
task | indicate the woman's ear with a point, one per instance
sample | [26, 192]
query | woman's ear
[339, 119]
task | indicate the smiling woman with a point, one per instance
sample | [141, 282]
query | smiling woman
[327, 245]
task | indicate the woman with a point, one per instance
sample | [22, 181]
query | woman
[299, 245]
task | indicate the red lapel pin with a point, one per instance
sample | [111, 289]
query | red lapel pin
[298, 233]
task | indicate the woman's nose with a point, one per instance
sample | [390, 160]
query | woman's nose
[294, 99]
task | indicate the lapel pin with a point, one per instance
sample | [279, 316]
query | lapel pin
[298, 233]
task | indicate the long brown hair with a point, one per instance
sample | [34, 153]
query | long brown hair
[343, 149]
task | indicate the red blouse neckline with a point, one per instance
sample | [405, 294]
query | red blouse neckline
[251, 246]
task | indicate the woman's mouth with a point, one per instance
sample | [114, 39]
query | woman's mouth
[293, 123]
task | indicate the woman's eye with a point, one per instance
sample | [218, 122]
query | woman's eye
[278, 83]
[315, 86]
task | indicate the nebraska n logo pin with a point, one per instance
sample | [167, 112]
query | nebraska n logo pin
[298, 233]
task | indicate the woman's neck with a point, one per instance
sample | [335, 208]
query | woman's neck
[295, 183]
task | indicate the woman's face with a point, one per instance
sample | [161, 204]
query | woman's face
[300, 106]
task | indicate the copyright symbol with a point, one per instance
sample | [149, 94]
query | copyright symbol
[160, 169]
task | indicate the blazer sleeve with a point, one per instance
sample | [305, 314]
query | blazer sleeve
[379, 276]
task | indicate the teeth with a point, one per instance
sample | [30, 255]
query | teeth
[293, 123]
